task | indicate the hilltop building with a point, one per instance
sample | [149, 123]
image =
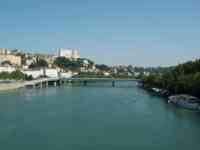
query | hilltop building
[15, 60]
[9, 55]
[10, 51]
[4, 51]
[68, 53]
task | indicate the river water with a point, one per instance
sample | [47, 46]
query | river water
[94, 117]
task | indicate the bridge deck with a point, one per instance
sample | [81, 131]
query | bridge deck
[38, 81]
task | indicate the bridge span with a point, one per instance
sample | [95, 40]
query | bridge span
[45, 82]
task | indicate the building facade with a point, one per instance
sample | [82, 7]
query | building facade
[7, 69]
[4, 51]
[68, 53]
[15, 60]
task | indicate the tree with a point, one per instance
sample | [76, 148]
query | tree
[67, 64]
[103, 67]
[15, 75]
[70, 64]
[184, 78]
[40, 63]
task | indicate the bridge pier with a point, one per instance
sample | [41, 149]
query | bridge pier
[47, 83]
[40, 84]
[55, 83]
[113, 83]
[60, 82]
[85, 83]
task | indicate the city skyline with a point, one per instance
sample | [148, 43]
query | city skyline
[140, 33]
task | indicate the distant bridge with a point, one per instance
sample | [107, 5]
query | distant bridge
[45, 82]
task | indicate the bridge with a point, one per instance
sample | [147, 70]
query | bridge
[45, 82]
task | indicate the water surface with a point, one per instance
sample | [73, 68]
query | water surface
[94, 117]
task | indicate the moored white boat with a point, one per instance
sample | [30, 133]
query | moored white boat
[185, 101]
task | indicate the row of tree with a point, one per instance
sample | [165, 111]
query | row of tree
[182, 79]
[39, 63]
[70, 64]
[15, 75]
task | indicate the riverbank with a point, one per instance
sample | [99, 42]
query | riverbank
[181, 100]
[11, 86]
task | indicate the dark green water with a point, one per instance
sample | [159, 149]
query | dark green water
[94, 118]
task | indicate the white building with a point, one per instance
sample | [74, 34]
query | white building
[68, 74]
[146, 73]
[68, 53]
[51, 73]
[4, 51]
[85, 62]
[29, 61]
[8, 69]
[34, 73]
[136, 74]
[106, 73]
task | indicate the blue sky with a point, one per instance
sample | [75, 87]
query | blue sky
[137, 32]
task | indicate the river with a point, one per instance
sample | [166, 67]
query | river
[94, 117]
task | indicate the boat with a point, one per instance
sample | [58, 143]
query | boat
[185, 101]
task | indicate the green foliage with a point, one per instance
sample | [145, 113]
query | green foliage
[67, 64]
[153, 69]
[185, 78]
[15, 75]
[122, 75]
[91, 75]
[70, 64]
[103, 67]
[40, 63]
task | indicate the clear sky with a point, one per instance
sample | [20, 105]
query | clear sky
[137, 32]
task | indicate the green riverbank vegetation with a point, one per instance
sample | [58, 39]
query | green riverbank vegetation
[182, 79]
[15, 75]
